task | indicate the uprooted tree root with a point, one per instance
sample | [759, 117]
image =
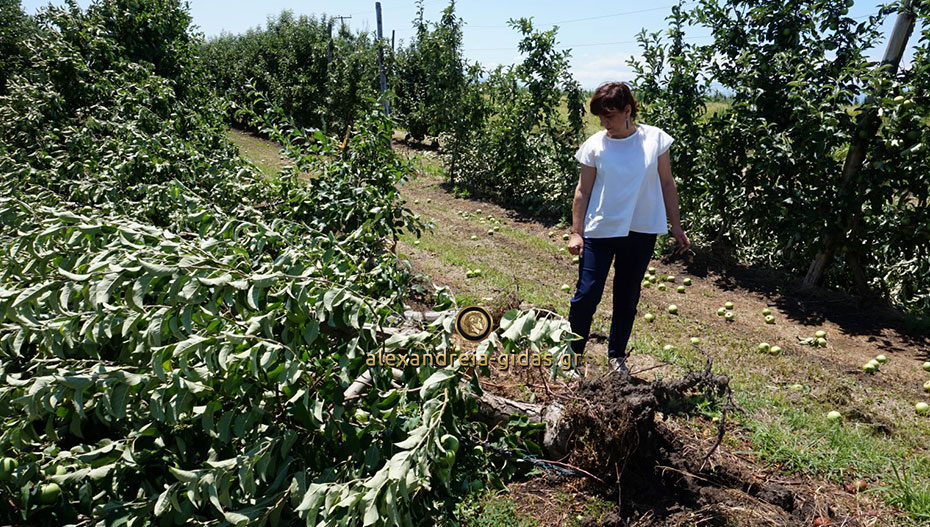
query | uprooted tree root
[608, 430]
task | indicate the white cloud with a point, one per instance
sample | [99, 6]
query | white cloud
[592, 72]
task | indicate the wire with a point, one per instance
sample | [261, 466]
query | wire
[581, 45]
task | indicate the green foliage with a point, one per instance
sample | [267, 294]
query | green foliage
[517, 147]
[14, 28]
[429, 78]
[288, 61]
[763, 178]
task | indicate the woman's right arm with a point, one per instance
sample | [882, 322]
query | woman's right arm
[580, 208]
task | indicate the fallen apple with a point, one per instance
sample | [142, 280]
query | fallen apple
[478, 211]
[766, 311]
[661, 287]
[416, 242]
[566, 236]
[821, 342]
[769, 319]
[695, 341]
[797, 387]
[820, 334]
[729, 316]
[416, 201]
[774, 350]
[763, 347]
[681, 289]
[670, 278]
[926, 366]
[673, 309]
[669, 347]
[576, 259]
[927, 386]
[686, 281]
[566, 287]
[728, 305]
[652, 270]
[649, 317]
[834, 417]
[922, 408]
[721, 311]
[869, 367]
[490, 232]
[882, 359]
[551, 234]
[646, 283]
[474, 237]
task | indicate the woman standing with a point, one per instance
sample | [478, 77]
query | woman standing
[625, 198]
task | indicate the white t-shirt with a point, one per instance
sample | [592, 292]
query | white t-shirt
[627, 194]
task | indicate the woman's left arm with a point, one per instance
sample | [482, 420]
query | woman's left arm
[670, 195]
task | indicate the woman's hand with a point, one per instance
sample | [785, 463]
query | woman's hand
[684, 244]
[575, 244]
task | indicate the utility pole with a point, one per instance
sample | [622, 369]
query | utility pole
[865, 130]
[387, 109]
[329, 27]
[392, 41]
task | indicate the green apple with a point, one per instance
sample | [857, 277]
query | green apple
[766, 311]
[681, 289]
[566, 287]
[490, 232]
[449, 442]
[647, 283]
[469, 274]
[416, 242]
[926, 366]
[661, 287]
[899, 99]
[821, 342]
[649, 317]
[474, 237]
[728, 305]
[429, 200]
[797, 387]
[576, 259]
[882, 359]
[873, 362]
[869, 367]
[769, 319]
[834, 417]
[774, 350]
[551, 234]
[670, 278]
[722, 311]
[653, 279]
[566, 236]
[729, 316]
[686, 281]
[763, 347]
[908, 103]
[695, 341]
[820, 334]
[927, 386]
[478, 211]
[652, 270]
[669, 347]
[48, 493]
[673, 309]
[7, 466]
[922, 408]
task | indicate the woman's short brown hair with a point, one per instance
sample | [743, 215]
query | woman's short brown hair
[613, 96]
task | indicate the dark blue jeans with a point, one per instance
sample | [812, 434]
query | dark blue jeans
[632, 253]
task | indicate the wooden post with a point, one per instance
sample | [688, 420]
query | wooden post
[865, 130]
[387, 109]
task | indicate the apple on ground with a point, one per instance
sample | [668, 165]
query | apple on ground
[686, 281]
[869, 367]
[695, 341]
[769, 319]
[478, 211]
[669, 347]
[652, 270]
[670, 278]
[673, 309]
[820, 334]
[729, 316]
[551, 234]
[926, 366]
[416, 242]
[728, 305]
[474, 237]
[721, 311]
[661, 287]
[649, 317]
[646, 283]
[927, 386]
[821, 342]
[882, 359]
[576, 259]
[490, 232]
[566, 287]
[766, 311]
[566, 236]
[797, 387]
[834, 417]
[922, 408]
[774, 350]
[681, 289]
[763, 347]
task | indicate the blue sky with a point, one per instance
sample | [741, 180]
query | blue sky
[601, 35]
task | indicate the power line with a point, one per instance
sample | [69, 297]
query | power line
[581, 45]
